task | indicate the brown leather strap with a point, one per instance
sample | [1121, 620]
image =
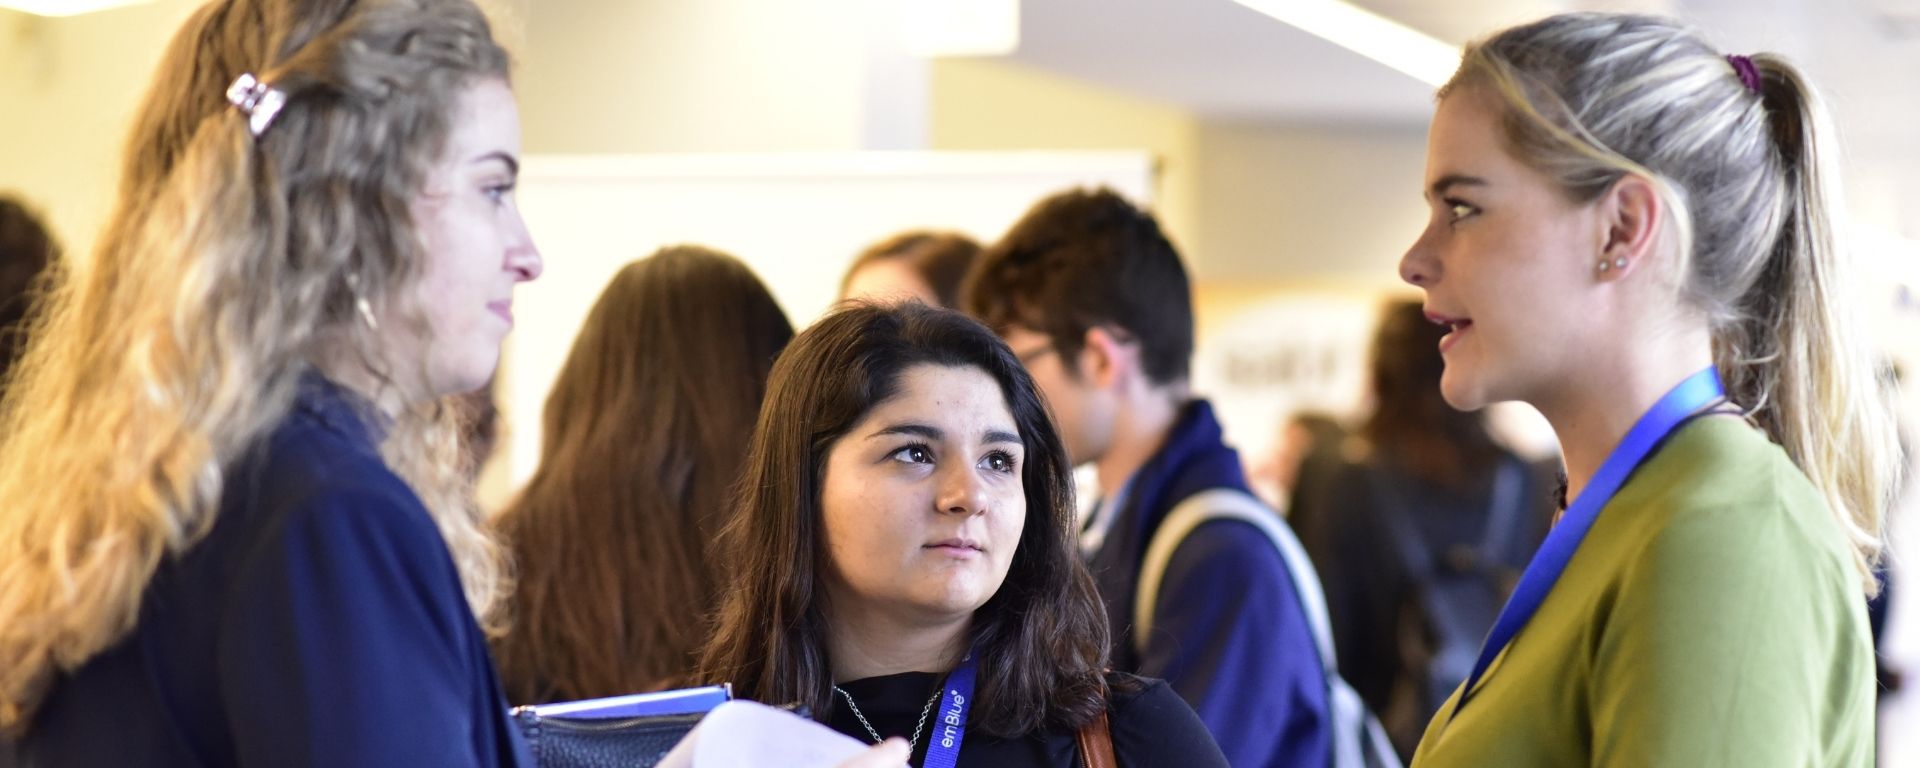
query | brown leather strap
[1096, 743]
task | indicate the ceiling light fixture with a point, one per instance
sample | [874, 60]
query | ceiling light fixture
[961, 27]
[1369, 34]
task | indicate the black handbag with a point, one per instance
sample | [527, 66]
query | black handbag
[614, 742]
[607, 742]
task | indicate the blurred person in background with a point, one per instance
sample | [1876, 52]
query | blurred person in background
[27, 251]
[644, 435]
[1633, 231]
[1420, 523]
[1308, 441]
[920, 264]
[1887, 670]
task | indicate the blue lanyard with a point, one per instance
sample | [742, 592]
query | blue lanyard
[1673, 409]
[943, 747]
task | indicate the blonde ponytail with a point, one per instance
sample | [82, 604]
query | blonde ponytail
[1796, 350]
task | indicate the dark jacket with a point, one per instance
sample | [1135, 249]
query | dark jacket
[1358, 516]
[321, 622]
[1229, 634]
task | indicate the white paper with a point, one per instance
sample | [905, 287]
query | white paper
[743, 734]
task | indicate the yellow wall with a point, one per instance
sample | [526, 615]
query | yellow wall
[593, 76]
[1258, 210]
[984, 104]
[705, 76]
[1309, 203]
[68, 88]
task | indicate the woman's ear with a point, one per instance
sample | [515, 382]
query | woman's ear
[1632, 213]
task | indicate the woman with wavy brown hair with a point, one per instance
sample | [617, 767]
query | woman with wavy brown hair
[903, 543]
[645, 432]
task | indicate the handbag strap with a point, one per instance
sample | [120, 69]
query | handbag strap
[1096, 743]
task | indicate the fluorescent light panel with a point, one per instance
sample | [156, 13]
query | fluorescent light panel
[1369, 34]
[65, 7]
[960, 27]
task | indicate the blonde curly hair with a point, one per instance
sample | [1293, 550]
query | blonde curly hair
[232, 265]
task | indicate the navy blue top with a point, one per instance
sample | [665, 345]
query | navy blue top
[321, 622]
[1229, 632]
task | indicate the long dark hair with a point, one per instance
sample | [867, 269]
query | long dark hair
[1412, 426]
[1042, 637]
[645, 431]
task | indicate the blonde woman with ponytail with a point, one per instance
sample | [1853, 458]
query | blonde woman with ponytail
[1633, 232]
[235, 530]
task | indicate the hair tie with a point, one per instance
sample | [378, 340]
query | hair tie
[257, 100]
[1749, 74]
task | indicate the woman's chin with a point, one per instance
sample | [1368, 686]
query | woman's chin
[1460, 391]
[955, 597]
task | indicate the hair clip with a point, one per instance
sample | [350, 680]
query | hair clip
[257, 100]
[1749, 74]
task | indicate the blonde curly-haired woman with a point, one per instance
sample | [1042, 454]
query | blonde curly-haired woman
[235, 530]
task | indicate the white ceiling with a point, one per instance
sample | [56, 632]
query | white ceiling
[1215, 57]
[1223, 60]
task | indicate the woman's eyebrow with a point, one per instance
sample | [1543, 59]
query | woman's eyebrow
[1451, 180]
[917, 430]
[513, 165]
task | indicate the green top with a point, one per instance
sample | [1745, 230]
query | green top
[1711, 617]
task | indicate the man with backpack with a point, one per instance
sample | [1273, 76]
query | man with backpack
[1095, 301]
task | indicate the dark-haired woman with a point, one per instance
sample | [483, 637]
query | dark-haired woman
[902, 558]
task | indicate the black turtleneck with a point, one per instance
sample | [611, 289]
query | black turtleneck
[1151, 725]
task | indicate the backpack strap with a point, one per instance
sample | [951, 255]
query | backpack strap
[1357, 738]
[1230, 504]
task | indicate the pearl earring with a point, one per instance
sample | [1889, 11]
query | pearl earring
[366, 313]
[1604, 265]
[360, 302]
